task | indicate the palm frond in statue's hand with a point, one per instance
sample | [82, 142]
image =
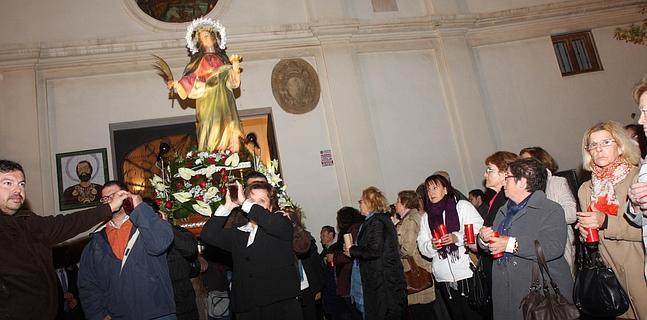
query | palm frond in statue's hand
[164, 71]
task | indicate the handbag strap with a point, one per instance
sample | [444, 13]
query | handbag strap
[543, 266]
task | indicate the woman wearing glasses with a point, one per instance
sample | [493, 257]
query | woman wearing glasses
[557, 189]
[611, 156]
[496, 166]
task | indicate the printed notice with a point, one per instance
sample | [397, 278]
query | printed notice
[326, 158]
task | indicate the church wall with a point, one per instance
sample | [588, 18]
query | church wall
[19, 130]
[530, 103]
[409, 117]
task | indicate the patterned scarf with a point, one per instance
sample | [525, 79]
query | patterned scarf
[435, 218]
[603, 179]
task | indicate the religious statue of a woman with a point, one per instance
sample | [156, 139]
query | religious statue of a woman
[209, 78]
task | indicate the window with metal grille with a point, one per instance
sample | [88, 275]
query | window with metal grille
[576, 53]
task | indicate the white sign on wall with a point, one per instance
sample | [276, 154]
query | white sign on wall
[326, 158]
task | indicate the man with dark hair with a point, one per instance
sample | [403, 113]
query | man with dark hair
[254, 176]
[331, 303]
[327, 235]
[476, 197]
[124, 273]
[84, 191]
[27, 278]
[266, 279]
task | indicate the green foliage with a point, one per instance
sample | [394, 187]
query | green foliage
[635, 33]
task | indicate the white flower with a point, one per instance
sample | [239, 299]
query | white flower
[211, 192]
[209, 171]
[198, 161]
[158, 183]
[182, 196]
[189, 154]
[274, 165]
[203, 154]
[274, 179]
[202, 208]
[233, 160]
[186, 173]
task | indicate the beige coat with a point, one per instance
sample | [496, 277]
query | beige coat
[557, 190]
[621, 248]
[407, 233]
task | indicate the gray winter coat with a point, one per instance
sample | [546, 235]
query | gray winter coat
[542, 220]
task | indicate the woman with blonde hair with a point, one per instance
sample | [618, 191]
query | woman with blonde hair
[378, 288]
[611, 156]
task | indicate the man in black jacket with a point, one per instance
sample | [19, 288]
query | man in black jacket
[27, 279]
[265, 277]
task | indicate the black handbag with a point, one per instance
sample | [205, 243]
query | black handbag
[544, 301]
[597, 291]
[480, 292]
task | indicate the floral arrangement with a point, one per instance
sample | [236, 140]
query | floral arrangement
[274, 178]
[196, 183]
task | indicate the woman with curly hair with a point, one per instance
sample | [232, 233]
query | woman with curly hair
[378, 288]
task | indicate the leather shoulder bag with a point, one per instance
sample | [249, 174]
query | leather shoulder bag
[544, 301]
[418, 278]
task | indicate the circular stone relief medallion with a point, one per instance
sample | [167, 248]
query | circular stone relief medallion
[295, 86]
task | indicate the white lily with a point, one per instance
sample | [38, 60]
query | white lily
[274, 179]
[202, 208]
[233, 160]
[211, 192]
[158, 183]
[186, 173]
[210, 170]
[182, 196]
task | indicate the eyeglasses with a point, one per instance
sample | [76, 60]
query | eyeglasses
[488, 170]
[106, 199]
[509, 177]
[602, 144]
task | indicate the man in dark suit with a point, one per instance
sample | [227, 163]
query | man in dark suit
[69, 307]
[265, 276]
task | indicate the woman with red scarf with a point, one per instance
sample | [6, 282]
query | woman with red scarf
[450, 261]
[612, 158]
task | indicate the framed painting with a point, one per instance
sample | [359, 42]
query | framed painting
[80, 177]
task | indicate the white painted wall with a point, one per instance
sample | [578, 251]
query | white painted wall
[530, 103]
[409, 117]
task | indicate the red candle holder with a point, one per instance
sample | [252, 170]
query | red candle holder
[592, 236]
[435, 238]
[496, 234]
[442, 230]
[469, 234]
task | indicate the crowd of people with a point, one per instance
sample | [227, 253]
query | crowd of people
[433, 254]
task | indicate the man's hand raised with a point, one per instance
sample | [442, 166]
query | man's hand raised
[117, 200]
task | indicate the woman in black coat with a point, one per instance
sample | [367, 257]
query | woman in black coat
[378, 288]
